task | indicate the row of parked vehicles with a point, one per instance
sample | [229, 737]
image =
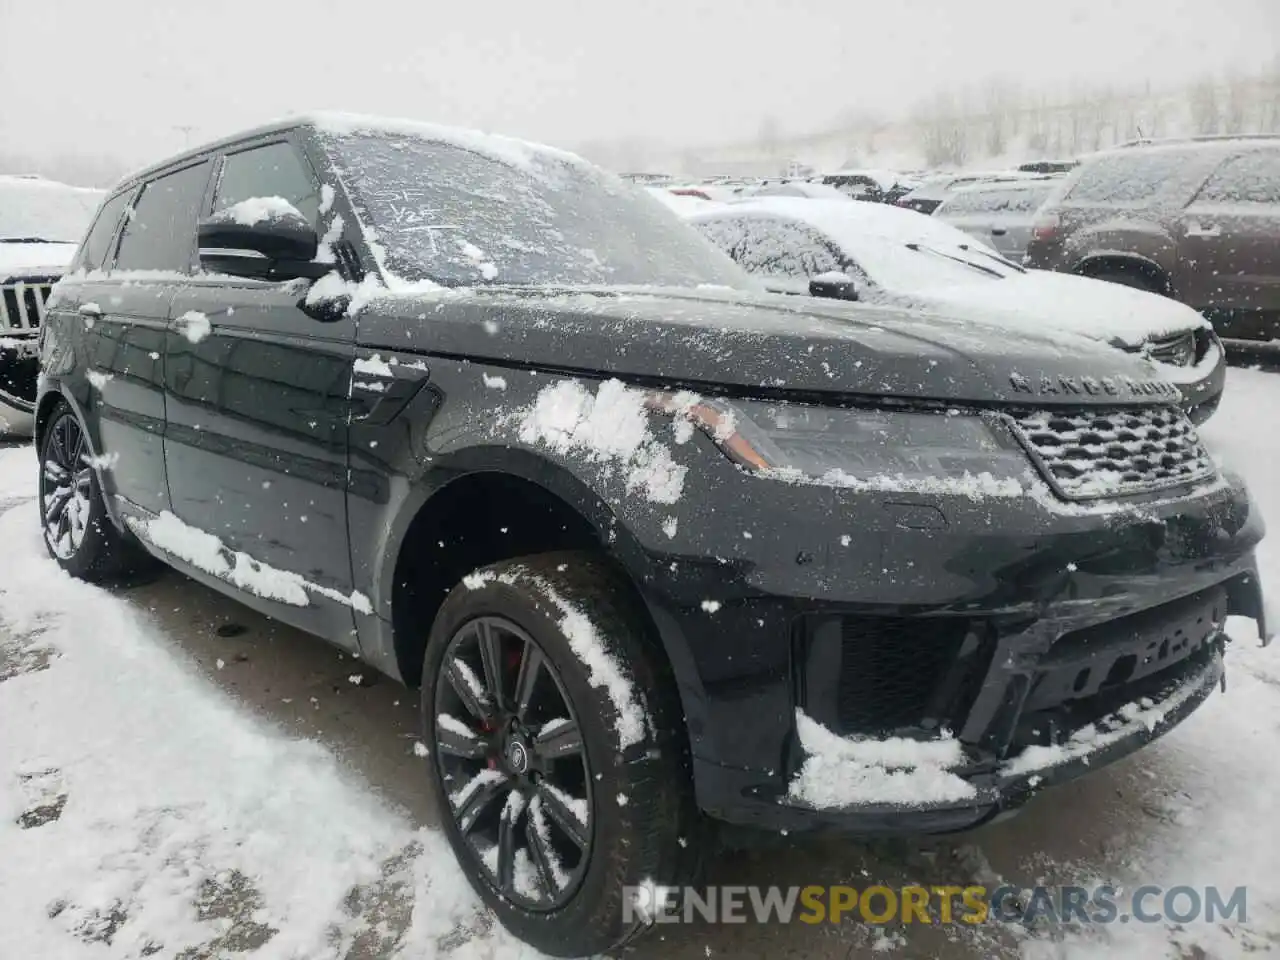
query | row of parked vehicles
[659, 547]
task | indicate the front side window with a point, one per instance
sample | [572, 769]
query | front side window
[503, 213]
[1252, 177]
[275, 170]
[1132, 176]
[103, 233]
[772, 246]
[160, 230]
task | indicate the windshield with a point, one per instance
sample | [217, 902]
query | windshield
[457, 217]
[41, 210]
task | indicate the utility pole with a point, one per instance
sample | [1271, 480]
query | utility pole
[186, 134]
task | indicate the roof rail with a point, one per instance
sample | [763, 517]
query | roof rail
[1199, 138]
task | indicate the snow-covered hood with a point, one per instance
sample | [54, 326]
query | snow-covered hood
[18, 260]
[1041, 300]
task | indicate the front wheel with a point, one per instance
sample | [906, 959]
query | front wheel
[556, 751]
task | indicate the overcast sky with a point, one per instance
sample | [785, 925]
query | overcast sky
[123, 76]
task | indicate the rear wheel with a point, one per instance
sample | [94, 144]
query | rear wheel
[77, 531]
[556, 751]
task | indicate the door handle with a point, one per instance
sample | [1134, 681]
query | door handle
[90, 310]
[998, 231]
[1195, 230]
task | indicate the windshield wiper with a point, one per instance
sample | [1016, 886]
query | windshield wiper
[920, 248]
[1003, 261]
[27, 240]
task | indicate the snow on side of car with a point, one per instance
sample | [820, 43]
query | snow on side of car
[842, 771]
[608, 427]
[206, 552]
[373, 366]
[257, 209]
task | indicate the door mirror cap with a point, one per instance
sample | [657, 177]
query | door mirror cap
[833, 286]
[260, 237]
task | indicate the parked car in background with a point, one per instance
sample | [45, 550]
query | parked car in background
[807, 189]
[880, 186]
[314, 352]
[41, 221]
[930, 194]
[1196, 220]
[892, 256]
[1048, 166]
[998, 213]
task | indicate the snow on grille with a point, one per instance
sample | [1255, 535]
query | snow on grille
[1088, 455]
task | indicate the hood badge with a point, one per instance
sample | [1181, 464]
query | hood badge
[1092, 386]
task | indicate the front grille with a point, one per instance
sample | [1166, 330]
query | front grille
[1095, 454]
[892, 669]
[1178, 351]
[22, 304]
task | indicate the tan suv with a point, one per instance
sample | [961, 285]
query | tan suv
[1197, 220]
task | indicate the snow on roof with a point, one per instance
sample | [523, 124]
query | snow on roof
[508, 150]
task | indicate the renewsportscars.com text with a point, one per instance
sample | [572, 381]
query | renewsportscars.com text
[935, 904]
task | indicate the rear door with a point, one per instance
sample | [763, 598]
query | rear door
[258, 396]
[125, 311]
[1229, 246]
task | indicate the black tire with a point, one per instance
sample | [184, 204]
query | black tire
[1127, 277]
[653, 835]
[102, 552]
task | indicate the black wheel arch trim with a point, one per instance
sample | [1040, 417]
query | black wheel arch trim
[1083, 263]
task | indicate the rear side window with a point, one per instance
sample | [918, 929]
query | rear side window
[1131, 177]
[275, 170]
[1249, 178]
[98, 242]
[773, 247]
[1025, 200]
[160, 233]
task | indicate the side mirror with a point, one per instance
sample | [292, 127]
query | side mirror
[833, 286]
[262, 237]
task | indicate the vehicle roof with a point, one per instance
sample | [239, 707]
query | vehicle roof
[1020, 183]
[1216, 144]
[510, 150]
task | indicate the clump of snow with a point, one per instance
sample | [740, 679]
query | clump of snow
[206, 552]
[103, 461]
[710, 606]
[1132, 718]
[488, 269]
[609, 427]
[256, 209]
[476, 580]
[670, 526]
[843, 771]
[98, 379]
[195, 325]
[326, 198]
[494, 383]
[373, 366]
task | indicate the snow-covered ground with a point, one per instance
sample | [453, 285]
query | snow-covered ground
[145, 812]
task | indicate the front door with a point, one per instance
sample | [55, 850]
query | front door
[1229, 250]
[258, 397]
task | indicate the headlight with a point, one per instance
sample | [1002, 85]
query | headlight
[860, 447]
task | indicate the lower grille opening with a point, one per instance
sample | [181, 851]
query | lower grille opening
[894, 671]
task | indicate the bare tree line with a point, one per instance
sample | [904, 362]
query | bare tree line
[954, 128]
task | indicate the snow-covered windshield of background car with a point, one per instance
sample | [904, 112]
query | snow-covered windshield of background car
[34, 209]
[455, 216]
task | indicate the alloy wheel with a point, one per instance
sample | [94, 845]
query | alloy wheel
[509, 750]
[66, 486]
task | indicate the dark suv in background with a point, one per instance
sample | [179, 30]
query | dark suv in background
[1198, 220]
[654, 545]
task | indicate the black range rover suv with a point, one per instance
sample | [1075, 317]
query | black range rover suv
[658, 549]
